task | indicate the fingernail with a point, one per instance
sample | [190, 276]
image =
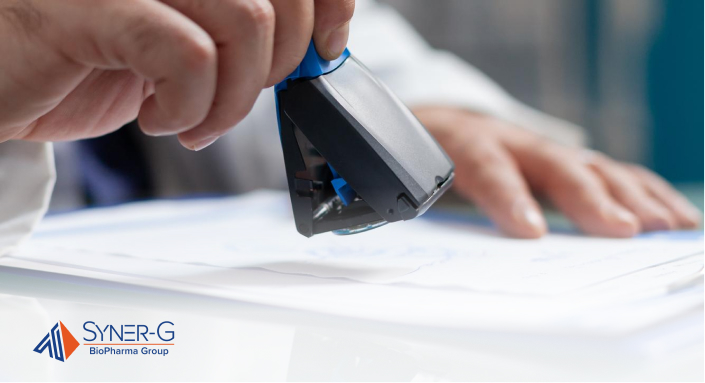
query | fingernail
[623, 215]
[658, 224]
[660, 219]
[204, 143]
[533, 218]
[159, 133]
[628, 221]
[696, 218]
[693, 214]
[527, 214]
[337, 40]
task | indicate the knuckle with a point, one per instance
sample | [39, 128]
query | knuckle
[638, 170]
[259, 12]
[142, 34]
[197, 52]
[193, 52]
[562, 176]
[548, 148]
[579, 193]
[486, 166]
[601, 162]
[484, 156]
[557, 163]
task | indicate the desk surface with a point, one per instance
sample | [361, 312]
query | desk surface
[224, 340]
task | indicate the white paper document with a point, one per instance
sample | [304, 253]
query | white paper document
[439, 270]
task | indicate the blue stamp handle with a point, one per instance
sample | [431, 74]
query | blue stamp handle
[313, 66]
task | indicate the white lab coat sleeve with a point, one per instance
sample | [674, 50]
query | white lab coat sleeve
[421, 75]
[27, 177]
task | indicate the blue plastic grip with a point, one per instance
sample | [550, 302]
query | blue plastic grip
[313, 66]
[341, 187]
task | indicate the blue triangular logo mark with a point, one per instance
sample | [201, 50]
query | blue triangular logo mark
[52, 342]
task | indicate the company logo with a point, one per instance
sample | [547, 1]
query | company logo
[59, 342]
[108, 339]
[120, 341]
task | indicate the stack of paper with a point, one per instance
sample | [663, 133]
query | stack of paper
[431, 271]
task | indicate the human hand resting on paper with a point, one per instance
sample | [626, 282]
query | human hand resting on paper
[82, 68]
[498, 166]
